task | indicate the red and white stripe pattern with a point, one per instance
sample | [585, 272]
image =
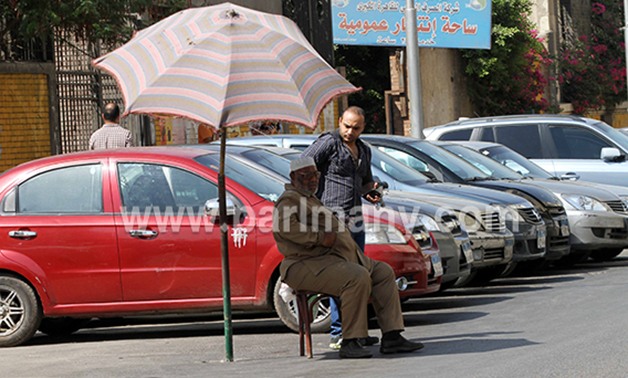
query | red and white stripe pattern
[224, 65]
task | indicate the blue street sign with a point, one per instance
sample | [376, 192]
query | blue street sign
[448, 24]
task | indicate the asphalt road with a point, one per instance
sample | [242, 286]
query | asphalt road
[557, 323]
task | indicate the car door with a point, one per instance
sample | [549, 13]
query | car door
[577, 153]
[169, 248]
[57, 223]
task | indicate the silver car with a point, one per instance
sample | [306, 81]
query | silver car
[598, 217]
[567, 146]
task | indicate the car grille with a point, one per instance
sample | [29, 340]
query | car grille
[493, 253]
[421, 236]
[530, 215]
[452, 223]
[617, 206]
[556, 211]
[493, 222]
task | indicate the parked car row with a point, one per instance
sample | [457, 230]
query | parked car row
[134, 231]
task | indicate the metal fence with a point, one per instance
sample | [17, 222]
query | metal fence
[83, 91]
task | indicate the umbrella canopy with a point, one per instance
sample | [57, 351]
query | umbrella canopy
[224, 65]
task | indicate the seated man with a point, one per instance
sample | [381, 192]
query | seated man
[321, 256]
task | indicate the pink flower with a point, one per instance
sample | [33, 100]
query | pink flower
[598, 8]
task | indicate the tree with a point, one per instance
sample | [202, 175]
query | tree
[509, 78]
[592, 68]
[108, 21]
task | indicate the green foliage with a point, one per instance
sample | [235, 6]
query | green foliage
[508, 78]
[110, 21]
[592, 68]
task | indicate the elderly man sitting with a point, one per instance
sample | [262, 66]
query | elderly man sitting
[321, 256]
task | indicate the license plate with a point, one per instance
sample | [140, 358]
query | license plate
[540, 239]
[467, 251]
[437, 265]
[564, 230]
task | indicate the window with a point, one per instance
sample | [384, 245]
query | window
[264, 185]
[524, 139]
[160, 189]
[70, 190]
[576, 143]
[486, 134]
[464, 134]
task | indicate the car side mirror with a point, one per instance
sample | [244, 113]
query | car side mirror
[611, 154]
[212, 210]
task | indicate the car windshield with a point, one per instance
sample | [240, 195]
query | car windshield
[450, 161]
[612, 134]
[486, 164]
[396, 170]
[269, 160]
[515, 161]
[246, 175]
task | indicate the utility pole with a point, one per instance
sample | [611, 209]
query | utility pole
[414, 71]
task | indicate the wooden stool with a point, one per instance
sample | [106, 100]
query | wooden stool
[306, 301]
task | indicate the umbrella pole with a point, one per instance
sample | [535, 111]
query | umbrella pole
[224, 248]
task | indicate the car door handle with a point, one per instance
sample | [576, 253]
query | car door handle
[143, 234]
[570, 176]
[21, 234]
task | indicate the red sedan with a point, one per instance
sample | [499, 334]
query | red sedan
[124, 232]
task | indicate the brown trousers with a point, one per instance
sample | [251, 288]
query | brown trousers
[354, 285]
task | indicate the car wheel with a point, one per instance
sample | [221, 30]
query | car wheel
[20, 311]
[57, 327]
[606, 254]
[287, 312]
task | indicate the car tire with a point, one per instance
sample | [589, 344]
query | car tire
[59, 327]
[606, 254]
[287, 312]
[20, 311]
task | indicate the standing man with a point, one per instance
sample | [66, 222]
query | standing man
[344, 162]
[111, 134]
[321, 256]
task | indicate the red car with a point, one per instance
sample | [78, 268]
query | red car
[124, 232]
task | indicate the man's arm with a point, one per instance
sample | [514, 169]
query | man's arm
[288, 225]
[320, 151]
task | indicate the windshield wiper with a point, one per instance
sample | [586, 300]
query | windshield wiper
[477, 178]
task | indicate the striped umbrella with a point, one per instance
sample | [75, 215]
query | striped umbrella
[224, 65]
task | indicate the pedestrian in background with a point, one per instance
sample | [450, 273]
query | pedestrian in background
[344, 162]
[111, 134]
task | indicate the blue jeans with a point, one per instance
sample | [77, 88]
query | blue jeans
[334, 307]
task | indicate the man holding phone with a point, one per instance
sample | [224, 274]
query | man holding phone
[344, 162]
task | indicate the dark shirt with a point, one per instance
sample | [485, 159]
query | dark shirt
[342, 176]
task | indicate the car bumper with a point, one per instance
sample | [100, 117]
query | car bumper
[558, 234]
[597, 230]
[530, 241]
[455, 264]
[409, 266]
[491, 249]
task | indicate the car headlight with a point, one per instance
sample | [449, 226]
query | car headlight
[580, 202]
[429, 222]
[383, 233]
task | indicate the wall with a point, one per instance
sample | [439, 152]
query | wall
[27, 113]
[443, 90]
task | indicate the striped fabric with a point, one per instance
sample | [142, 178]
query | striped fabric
[224, 65]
